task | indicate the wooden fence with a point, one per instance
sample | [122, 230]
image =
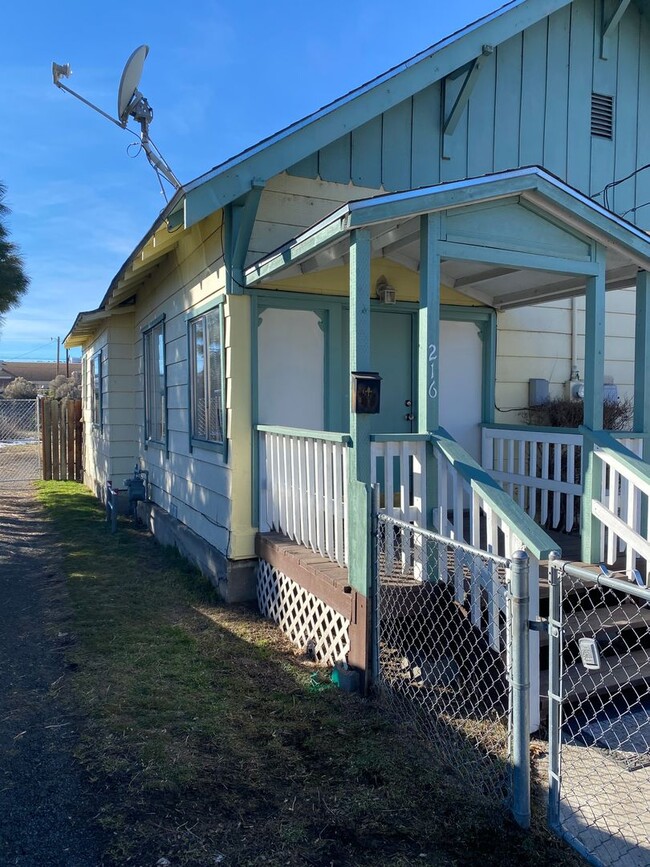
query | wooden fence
[62, 439]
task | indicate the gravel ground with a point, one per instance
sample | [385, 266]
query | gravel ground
[46, 806]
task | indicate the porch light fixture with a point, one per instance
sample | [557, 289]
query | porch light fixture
[385, 292]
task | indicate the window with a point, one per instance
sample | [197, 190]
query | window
[207, 376]
[96, 388]
[155, 404]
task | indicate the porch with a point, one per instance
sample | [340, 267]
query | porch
[503, 241]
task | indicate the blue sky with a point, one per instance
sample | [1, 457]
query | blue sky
[220, 76]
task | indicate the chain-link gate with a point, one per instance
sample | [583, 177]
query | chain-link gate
[599, 713]
[20, 439]
[447, 662]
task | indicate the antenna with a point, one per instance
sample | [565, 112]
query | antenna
[130, 103]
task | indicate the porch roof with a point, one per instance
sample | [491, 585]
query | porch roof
[506, 240]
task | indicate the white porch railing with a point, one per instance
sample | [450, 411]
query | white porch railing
[303, 488]
[622, 510]
[398, 467]
[541, 468]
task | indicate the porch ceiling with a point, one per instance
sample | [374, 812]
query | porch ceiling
[506, 240]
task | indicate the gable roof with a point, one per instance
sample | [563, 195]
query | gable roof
[235, 177]
[393, 220]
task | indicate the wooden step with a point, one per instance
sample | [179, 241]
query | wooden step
[616, 673]
[628, 615]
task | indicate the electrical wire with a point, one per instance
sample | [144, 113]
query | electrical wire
[35, 349]
[605, 190]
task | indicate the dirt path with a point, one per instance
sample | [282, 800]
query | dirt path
[46, 808]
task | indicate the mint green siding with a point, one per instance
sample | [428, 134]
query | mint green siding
[530, 105]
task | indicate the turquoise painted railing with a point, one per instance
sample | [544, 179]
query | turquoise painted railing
[473, 508]
[303, 488]
[541, 468]
[622, 507]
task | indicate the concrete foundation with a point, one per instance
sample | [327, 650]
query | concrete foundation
[234, 580]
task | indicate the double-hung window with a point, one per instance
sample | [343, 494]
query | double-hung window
[155, 401]
[206, 377]
[96, 388]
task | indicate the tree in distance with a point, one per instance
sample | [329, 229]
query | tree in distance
[13, 279]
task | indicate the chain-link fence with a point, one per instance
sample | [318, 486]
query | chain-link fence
[599, 724]
[20, 456]
[444, 654]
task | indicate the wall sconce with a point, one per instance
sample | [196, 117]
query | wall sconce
[385, 292]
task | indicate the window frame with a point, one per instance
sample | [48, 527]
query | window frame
[155, 330]
[193, 318]
[96, 407]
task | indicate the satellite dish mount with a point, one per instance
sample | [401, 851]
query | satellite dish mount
[130, 103]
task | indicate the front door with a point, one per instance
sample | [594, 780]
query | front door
[391, 357]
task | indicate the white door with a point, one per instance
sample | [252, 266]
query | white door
[461, 365]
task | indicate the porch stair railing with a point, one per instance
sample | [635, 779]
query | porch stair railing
[621, 508]
[303, 488]
[541, 468]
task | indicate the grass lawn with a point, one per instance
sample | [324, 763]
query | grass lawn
[206, 744]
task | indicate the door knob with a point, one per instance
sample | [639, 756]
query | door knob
[408, 403]
[409, 416]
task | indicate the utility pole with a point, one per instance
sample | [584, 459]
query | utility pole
[58, 354]
[67, 363]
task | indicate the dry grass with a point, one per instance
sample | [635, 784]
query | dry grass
[204, 739]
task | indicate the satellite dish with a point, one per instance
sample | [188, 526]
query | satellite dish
[128, 90]
[130, 103]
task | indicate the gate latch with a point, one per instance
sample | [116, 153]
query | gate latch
[538, 625]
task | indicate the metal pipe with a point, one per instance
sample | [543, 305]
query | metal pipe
[520, 683]
[583, 573]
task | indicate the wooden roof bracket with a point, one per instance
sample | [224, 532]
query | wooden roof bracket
[609, 25]
[239, 219]
[450, 122]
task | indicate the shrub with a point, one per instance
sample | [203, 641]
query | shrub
[562, 412]
[20, 389]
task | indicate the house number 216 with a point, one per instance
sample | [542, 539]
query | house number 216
[433, 357]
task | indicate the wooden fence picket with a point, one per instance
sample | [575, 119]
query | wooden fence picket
[62, 439]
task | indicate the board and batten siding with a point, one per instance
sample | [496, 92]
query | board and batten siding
[208, 493]
[531, 105]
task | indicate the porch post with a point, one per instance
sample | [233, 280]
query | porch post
[642, 356]
[428, 348]
[593, 406]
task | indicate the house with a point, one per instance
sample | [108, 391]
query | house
[466, 222]
[40, 373]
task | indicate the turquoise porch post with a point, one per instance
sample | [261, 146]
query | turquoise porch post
[642, 356]
[429, 347]
[359, 499]
[593, 406]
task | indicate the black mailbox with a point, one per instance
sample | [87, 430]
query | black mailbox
[366, 392]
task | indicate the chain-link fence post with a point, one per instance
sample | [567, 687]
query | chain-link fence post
[520, 685]
[554, 687]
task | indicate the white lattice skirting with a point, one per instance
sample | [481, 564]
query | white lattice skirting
[303, 617]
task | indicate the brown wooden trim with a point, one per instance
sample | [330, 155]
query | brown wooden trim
[327, 581]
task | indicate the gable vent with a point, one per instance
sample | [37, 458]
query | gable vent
[602, 115]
